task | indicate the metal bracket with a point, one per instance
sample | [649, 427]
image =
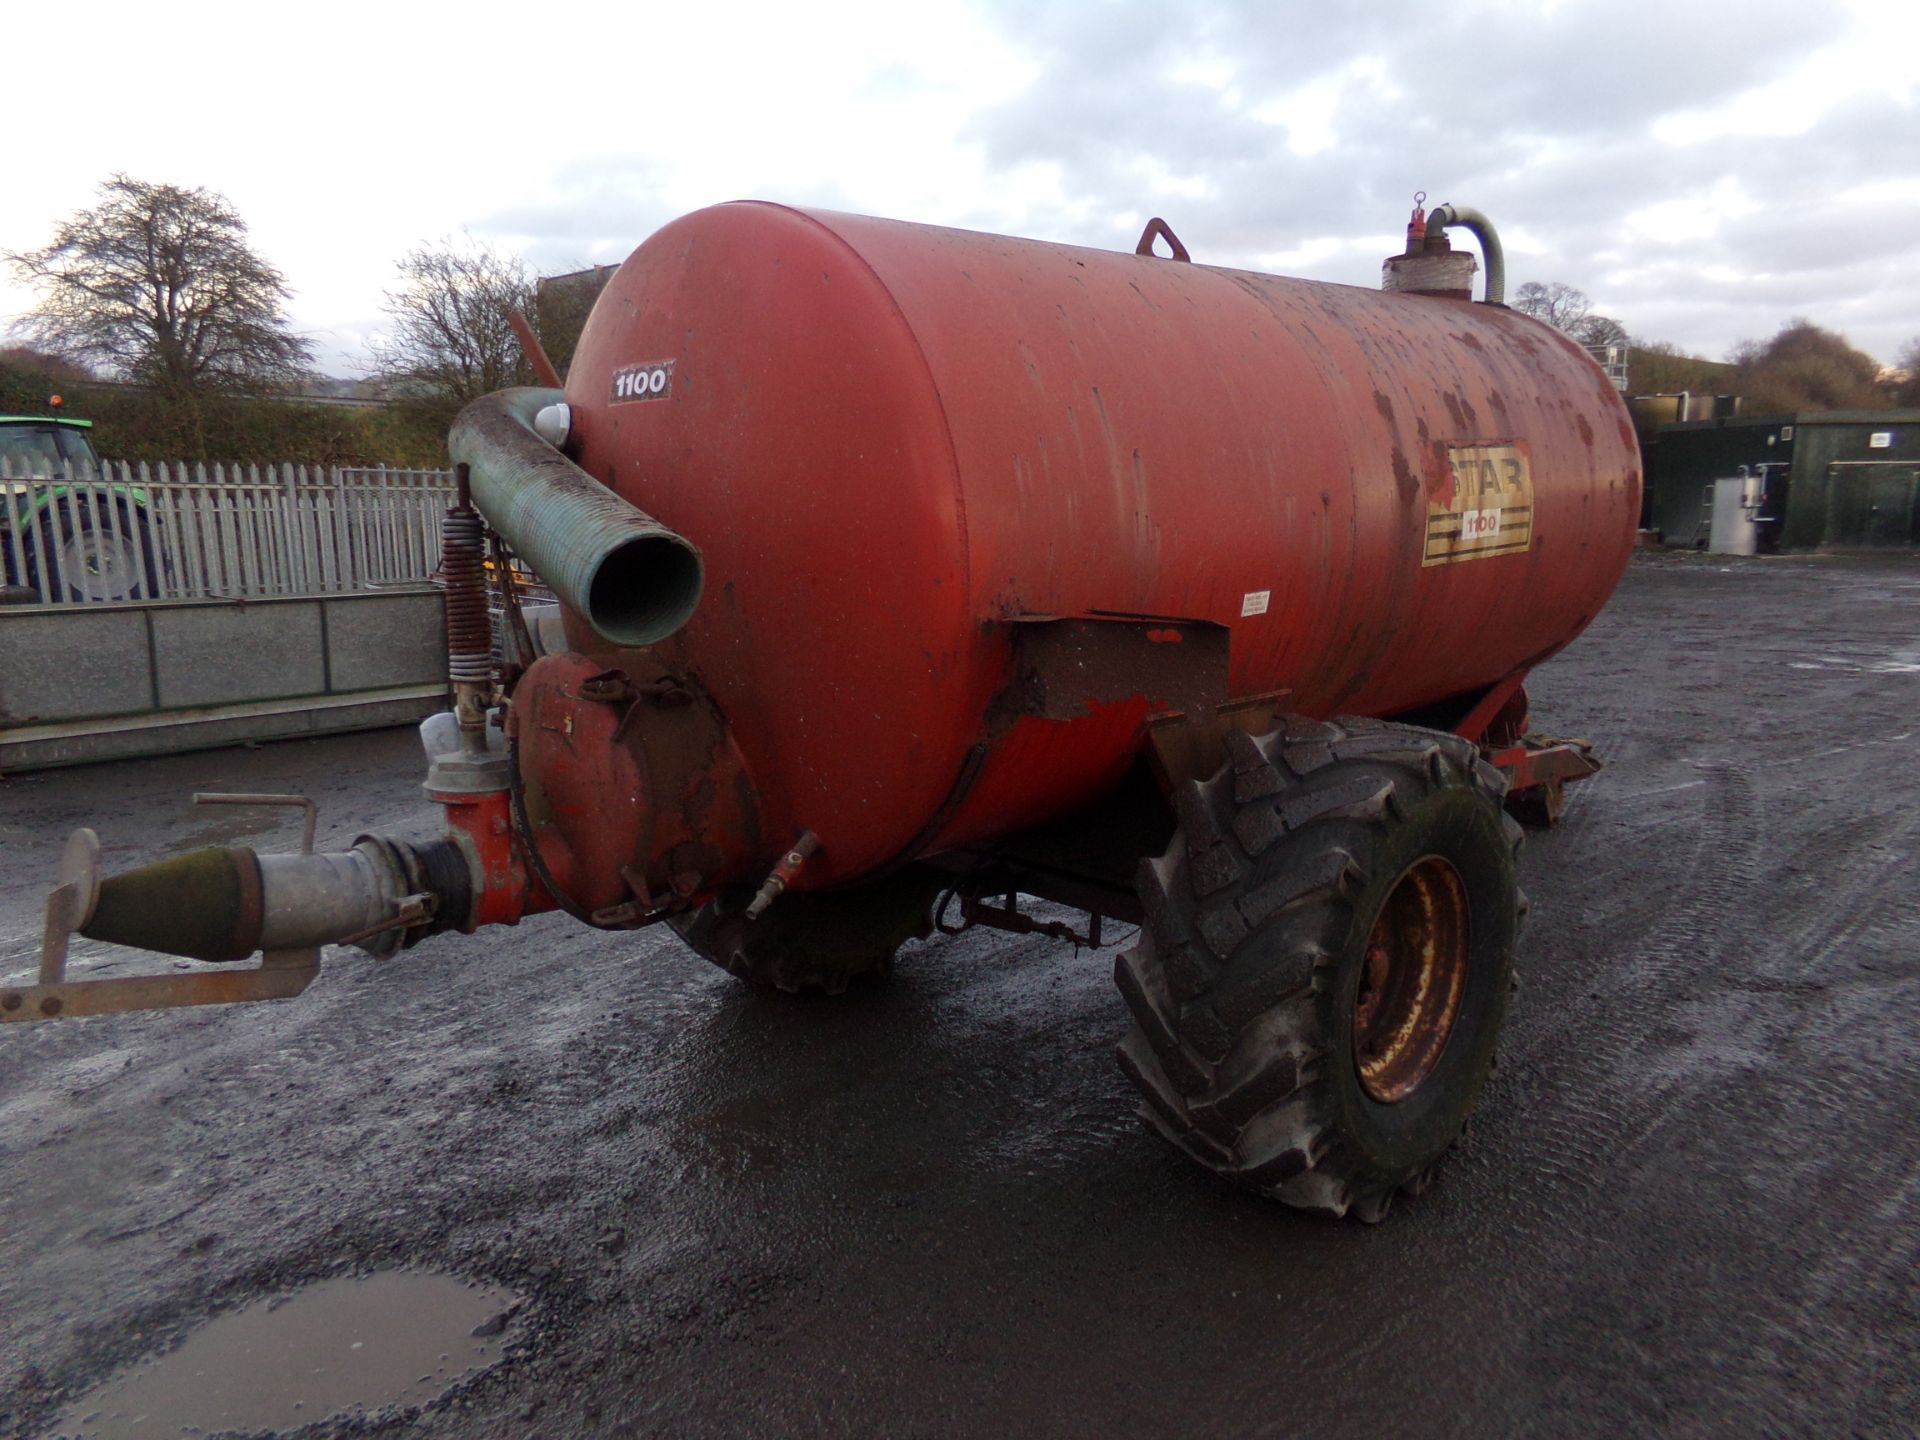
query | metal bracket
[76, 889]
[976, 911]
[1538, 770]
[413, 910]
[280, 975]
[643, 910]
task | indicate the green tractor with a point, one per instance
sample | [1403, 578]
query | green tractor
[64, 535]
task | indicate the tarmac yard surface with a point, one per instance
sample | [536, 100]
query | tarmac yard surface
[1689, 1203]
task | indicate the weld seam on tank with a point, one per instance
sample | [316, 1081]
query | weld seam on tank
[635, 581]
[1491, 251]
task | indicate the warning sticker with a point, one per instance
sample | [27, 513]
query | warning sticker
[1488, 509]
[1254, 602]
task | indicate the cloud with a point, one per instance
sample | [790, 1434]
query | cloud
[1606, 136]
[1701, 169]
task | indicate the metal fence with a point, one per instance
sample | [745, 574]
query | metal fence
[170, 532]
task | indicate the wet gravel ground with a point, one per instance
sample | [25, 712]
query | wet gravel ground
[1688, 1204]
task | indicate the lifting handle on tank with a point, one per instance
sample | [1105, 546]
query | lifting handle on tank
[1158, 229]
[1481, 228]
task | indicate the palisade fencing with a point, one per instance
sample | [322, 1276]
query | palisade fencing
[176, 532]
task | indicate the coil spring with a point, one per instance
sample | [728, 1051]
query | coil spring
[462, 566]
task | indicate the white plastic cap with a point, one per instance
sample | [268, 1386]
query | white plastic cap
[553, 423]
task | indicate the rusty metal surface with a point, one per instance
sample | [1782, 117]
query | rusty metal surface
[70, 902]
[1501, 712]
[1538, 759]
[1413, 978]
[1064, 666]
[630, 787]
[978, 910]
[1538, 771]
[279, 976]
[506, 889]
[889, 440]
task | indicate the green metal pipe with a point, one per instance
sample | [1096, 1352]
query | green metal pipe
[634, 580]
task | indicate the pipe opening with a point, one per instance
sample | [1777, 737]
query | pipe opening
[633, 579]
[645, 589]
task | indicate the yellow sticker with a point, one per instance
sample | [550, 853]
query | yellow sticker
[1489, 510]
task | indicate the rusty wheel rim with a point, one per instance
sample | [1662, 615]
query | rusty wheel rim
[1413, 976]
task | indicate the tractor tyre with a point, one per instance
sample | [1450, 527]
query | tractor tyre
[1326, 961]
[88, 558]
[814, 940]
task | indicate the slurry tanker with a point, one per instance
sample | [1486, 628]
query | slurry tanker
[905, 572]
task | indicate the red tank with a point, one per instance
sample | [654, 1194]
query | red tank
[915, 541]
[894, 442]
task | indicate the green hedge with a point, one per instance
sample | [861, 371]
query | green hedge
[144, 425]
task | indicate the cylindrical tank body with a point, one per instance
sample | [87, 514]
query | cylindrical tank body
[887, 439]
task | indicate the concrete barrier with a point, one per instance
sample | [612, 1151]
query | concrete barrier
[98, 682]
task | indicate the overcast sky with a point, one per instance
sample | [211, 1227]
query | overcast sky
[1705, 171]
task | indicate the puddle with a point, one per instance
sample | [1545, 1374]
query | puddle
[398, 1337]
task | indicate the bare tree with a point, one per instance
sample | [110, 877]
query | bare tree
[1594, 330]
[452, 339]
[159, 284]
[1561, 306]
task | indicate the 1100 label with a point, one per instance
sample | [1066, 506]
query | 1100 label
[1478, 524]
[649, 381]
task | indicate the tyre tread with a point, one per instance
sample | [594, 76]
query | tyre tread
[1228, 1058]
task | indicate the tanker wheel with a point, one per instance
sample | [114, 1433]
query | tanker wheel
[1326, 961]
[815, 940]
